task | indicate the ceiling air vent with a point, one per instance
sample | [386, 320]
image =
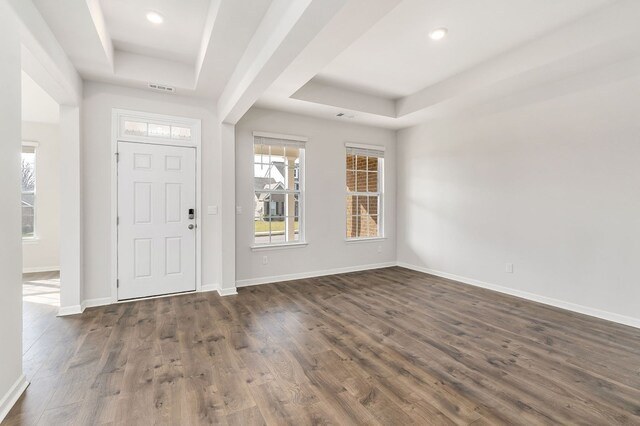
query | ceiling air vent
[162, 88]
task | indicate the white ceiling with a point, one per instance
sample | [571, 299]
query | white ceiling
[178, 38]
[195, 49]
[37, 105]
[390, 74]
[396, 57]
[371, 59]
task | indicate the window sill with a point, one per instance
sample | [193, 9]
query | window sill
[363, 240]
[284, 246]
[30, 240]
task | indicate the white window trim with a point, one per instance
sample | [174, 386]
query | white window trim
[356, 240]
[302, 242]
[380, 194]
[379, 148]
[269, 135]
[279, 246]
[119, 116]
[33, 238]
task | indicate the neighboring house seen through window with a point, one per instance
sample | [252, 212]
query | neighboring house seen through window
[28, 185]
[364, 183]
[278, 169]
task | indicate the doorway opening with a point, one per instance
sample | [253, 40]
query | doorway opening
[40, 205]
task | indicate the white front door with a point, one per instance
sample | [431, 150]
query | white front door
[156, 233]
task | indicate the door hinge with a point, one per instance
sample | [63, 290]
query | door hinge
[117, 157]
[117, 220]
[117, 283]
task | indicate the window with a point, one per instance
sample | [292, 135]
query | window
[146, 129]
[28, 184]
[278, 175]
[364, 183]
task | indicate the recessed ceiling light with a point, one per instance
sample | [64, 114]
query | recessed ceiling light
[438, 33]
[154, 18]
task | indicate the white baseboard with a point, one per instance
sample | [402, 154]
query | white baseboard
[100, 301]
[103, 301]
[586, 310]
[40, 269]
[609, 316]
[63, 311]
[209, 287]
[78, 309]
[11, 397]
[227, 291]
[303, 275]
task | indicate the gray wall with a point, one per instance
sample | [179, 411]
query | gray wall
[552, 187]
[324, 202]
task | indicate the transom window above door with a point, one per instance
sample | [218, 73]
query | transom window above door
[278, 176]
[148, 127]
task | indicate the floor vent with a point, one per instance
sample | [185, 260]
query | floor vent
[162, 88]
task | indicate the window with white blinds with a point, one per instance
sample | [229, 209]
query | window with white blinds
[278, 175]
[364, 191]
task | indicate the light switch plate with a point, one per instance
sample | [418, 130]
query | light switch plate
[212, 209]
[238, 210]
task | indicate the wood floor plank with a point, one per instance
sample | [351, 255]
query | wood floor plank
[390, 346]
[520, 381]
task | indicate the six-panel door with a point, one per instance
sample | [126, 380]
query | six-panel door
[156, 236]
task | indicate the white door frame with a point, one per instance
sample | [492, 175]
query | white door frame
[118, 116]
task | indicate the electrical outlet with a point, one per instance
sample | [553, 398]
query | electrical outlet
[238, 209]
[265, 260]
[509, 268]
[379, 249]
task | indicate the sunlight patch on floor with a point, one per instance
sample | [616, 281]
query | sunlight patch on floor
[43, 291]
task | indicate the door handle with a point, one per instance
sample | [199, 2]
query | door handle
[191, 226]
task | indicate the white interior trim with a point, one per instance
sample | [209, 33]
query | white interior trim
[103, 301]
[586, 310]
[210, 287]
[227, 291]
[364, 240]
[40, 269]
[117, 117]
[303, 275]
[96, 302]
[380, 148]
[597, 313]
[63, 311]
[283, 246]
[279, 136]
[11, 397]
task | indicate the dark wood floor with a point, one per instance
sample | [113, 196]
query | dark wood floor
[390, 346]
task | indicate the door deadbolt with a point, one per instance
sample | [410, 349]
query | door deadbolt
[192, 213]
